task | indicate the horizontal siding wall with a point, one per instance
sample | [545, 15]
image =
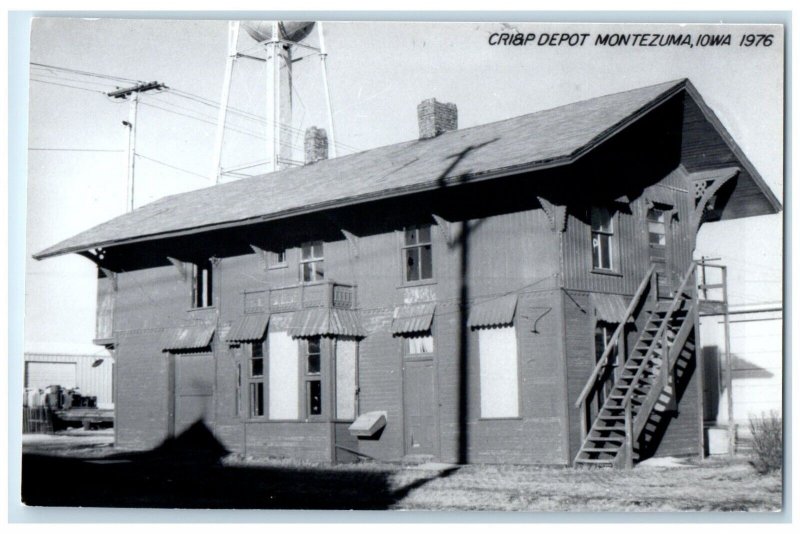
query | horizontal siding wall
[92, 381]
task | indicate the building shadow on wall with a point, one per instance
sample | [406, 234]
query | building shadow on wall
[188, 472]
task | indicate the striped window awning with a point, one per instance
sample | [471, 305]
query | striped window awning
[495, 312]
[192, 337]
[609, 308]
[313, 322]
[413, 318]
[248, 328]
[660, 195]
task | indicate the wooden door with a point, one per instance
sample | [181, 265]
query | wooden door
[419, 407]
[658, 233]
[194, 389]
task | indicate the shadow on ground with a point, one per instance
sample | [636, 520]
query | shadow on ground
[187, 472]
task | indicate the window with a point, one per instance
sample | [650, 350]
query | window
[276, 259]
[602, 238]
[201, 284]
[602, 335]
[312, 264]
[419, 345]
[417, 255]
[656, 227]
[283, 376]
[498, 372]
[256, 378]
[313, 380]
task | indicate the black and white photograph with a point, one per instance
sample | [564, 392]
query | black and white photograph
[419, 266]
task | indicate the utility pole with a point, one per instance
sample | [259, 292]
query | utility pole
[133, 94]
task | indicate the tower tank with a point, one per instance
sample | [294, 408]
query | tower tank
[261, 30]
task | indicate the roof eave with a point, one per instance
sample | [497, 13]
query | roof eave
[733, 146]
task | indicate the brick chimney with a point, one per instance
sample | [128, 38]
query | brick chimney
[316, 145]
[436, 118]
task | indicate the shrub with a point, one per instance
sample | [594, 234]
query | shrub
[767, 435]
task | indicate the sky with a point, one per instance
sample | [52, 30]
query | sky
[378, 73]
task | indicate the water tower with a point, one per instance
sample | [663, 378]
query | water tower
[272, 43]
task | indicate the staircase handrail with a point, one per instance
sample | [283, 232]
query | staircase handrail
[660, 333]
[612, 343]
[655, 392]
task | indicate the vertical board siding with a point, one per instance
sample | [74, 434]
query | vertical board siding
[92, 381]
[702, 148]
[681, 435]
[300, 441]
[579, 329]
[142, 406]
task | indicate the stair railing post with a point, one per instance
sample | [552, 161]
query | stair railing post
[584, 425]
[628, 437]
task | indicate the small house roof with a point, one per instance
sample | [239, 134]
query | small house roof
[538, 140]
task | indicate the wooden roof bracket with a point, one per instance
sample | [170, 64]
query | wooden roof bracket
[352, 241]
[181, 266]
[111, 275]
[445, 227]
[262, 256]
[557, 214]
[704, 191]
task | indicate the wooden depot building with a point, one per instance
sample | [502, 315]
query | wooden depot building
[516, 292]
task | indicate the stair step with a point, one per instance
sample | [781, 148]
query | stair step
[619, 439]
[606, 461]
[609, 428]
[611, 417]
[596, 450]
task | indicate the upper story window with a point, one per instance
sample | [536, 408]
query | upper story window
[417, 254]
[602, 238]
[276, 259]
[202, 284]
[312, 263]
[657, 227]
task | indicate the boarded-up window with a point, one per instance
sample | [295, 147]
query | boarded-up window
[345, 380]
[498, 372]
[283, 376]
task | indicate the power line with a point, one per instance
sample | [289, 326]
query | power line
[165, 164]
[177, 92]
[70, 86]
[246, 114]
[48, 149]
[85, 73]
[65, 79]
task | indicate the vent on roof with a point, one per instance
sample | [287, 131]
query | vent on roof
[436, 118]
[316, 145]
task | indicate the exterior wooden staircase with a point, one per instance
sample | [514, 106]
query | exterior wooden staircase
[634, 389]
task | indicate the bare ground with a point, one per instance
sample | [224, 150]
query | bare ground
[119, 478]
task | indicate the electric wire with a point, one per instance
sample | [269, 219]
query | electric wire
[165, 164]
[84, 72]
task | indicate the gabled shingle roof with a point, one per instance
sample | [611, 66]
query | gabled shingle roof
[546, 138]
